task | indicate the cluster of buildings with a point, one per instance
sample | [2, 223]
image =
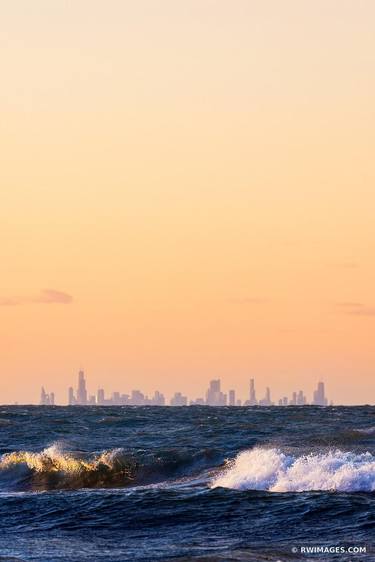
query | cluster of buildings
[136, 398]
[47, 398]
[213, 397]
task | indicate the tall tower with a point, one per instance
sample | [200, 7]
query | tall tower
[71, 399]
[252, 399]
[232, 398]
[268, 397]
[214, 395]
[43, 397]
[100, 399]
[81, 390]
[319, 395]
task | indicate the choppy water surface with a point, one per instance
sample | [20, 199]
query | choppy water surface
[194, 483]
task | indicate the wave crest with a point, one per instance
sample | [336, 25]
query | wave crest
[275, 471]
[53, 468]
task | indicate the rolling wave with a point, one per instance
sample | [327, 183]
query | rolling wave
[274, 471]
[53, 468]
[256, 469]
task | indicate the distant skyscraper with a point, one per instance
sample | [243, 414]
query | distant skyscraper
[267, 399]
[44, 399]
[268, 395]
[319, 395]
[137, 398]
[178, 399]
[252, 398]
[214, 396]
[81, 390]
[158, 399]
[42, 396]
[47, 399]
[71, 399]
[232, 398]
[100, 399]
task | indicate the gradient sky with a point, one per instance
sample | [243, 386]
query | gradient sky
[187, 192]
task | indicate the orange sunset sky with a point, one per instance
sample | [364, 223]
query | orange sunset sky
[187, 192]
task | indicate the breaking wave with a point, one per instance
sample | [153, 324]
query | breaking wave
[274, 471]
[52, 468]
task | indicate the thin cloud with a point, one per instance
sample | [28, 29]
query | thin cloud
[363, 311]
[46, 296]
[356, 309]
[50, 296]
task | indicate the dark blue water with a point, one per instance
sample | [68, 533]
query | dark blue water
[194, 483]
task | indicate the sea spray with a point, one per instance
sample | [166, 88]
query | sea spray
[274, 471]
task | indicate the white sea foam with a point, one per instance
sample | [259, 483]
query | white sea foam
[275, 471]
